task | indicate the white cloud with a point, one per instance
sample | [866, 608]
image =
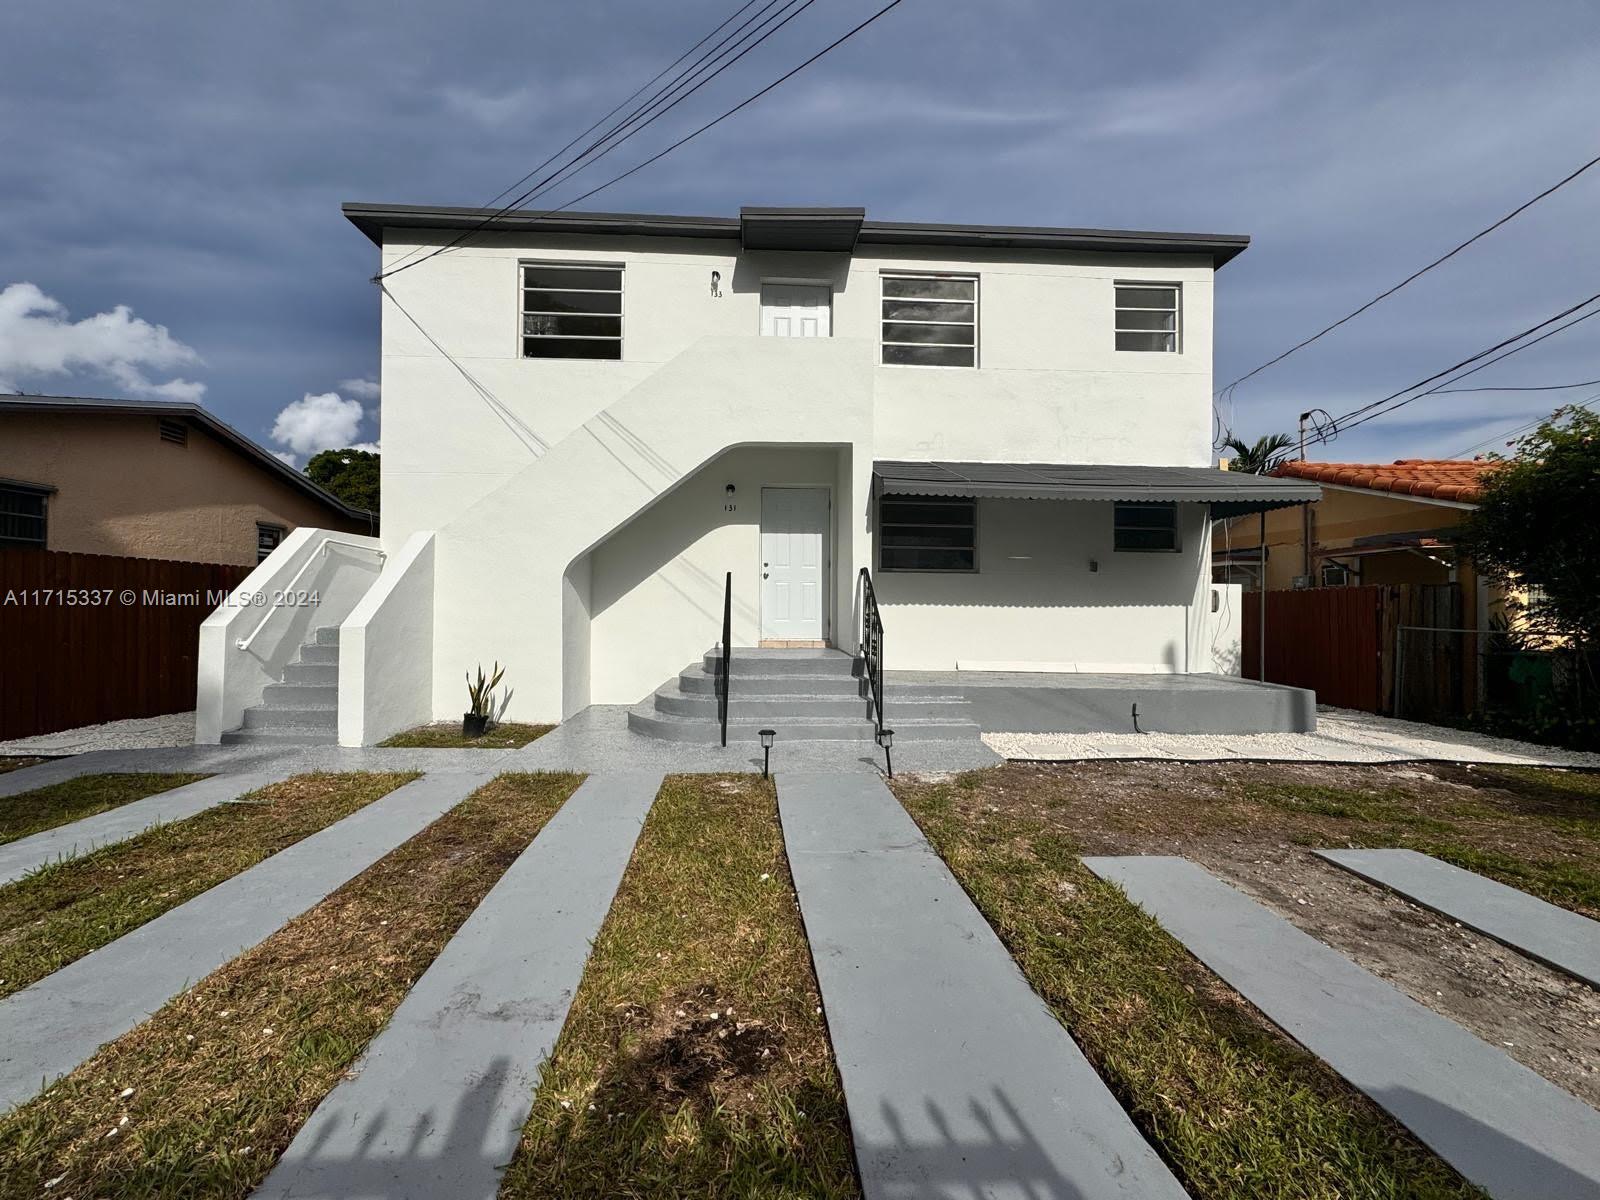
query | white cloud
[39, 341]
[366, 389]
[286, 456]
[369, 447]
[322, 421]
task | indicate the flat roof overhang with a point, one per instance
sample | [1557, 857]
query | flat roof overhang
[828, 229]
[1229, 493]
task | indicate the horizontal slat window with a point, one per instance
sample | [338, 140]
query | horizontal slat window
[1145, 527]
[930, 320]
[927, 533]
[1147, 317]
[22, 517]
[571, 311]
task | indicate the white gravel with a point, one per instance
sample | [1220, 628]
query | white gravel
[1342, 735]
[143, 733]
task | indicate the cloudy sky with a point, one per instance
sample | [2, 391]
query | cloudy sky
[171, 173]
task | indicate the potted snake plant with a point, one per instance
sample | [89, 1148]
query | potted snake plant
[476, 720]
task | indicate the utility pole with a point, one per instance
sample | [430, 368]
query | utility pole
[1305, 511]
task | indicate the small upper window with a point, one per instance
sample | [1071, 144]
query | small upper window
[927, 533]
[22, 515]
[1147, 317]
[268, 539]
[930, 320]
[571, 310]
[1145, 527]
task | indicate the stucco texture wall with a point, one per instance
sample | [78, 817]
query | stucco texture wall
[121, 490]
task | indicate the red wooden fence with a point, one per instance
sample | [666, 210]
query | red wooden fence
[86, 638]
[1330, 639]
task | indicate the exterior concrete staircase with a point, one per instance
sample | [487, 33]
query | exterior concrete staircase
[303, 710]
[806, 695]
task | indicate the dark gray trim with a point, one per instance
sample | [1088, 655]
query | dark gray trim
[22, 485]
[372, 219]
[826, 229]
[202, 420]
[1229, 493]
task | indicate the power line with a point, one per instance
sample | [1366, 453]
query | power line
[1367, 412]
[743, 104]
[1520, 429]
[1521, 208]
[1549, 387]
[717, 51]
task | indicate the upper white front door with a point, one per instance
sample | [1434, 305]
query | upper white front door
[796, 310]
[794, 564]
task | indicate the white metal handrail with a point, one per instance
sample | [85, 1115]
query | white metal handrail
[244, 642]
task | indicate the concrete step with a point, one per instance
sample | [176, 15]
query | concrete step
[754, 661]
[300, 695]
[698, 682]
[316, 716]
[781, 707]
[326, 635]
[280, 737]
[672, 727]
[312, 673]
[319, 652]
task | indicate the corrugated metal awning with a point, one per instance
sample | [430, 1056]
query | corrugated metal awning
[1229, 493]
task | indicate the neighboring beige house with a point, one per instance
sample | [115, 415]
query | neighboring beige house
[150, 479]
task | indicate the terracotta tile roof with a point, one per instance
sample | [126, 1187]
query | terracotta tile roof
[1436, 478]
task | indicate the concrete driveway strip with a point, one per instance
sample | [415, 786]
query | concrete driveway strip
[1504, 1127]
[118, 824]
[1561, 939]
[960, 1081]
[59, 770]
[49, 1028]
[437, 1102]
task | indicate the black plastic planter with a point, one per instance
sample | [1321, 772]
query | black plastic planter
[473, 724]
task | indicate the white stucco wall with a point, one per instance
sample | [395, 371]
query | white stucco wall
[386, 649]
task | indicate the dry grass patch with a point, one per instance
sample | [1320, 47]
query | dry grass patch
[205, 1096]
[694, 1061]
[1238, 1109]
[63, 911]
[73, 799]
[447, 735]
[8, 765]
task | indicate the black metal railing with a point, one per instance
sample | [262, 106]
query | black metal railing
[872, 647]
[727, 656]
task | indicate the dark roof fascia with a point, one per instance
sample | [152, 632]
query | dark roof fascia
[22, 485]
[372, 219]
[222, 431]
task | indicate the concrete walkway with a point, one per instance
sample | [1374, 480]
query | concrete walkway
[437, 1102]
[1558, 938]
[28, 854]
[49, 1028]
[1504, 1127]
[960, 1081]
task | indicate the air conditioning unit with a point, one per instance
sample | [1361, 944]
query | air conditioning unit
[1302, 582]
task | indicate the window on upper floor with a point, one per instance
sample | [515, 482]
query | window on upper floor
[930, 320]
[1144, 527]
[927, 533]
[571, 310]
[1147, 317]
[22, 515]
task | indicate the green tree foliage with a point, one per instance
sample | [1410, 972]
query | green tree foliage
[1259, 457]
[351, 475]
[1536, 528]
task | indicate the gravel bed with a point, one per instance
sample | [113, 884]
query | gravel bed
[143, 733]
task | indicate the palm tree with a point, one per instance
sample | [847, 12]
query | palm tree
[1261, 457]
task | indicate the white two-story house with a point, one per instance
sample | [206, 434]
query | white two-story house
[593, 421]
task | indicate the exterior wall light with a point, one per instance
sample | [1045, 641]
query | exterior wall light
[767, 736]
[886, 740]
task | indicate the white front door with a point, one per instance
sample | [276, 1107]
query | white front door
[796, 310]
[794, 564]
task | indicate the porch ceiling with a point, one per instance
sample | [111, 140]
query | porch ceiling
[1229, 493]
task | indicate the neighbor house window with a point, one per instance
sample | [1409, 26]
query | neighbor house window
[927, 533]
[268, 539]
[22, 515]
[930, 320]
[1147, 317]
[1145, 527]
[571, 310]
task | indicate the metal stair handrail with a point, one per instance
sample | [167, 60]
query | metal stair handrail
[727, 656]
[871, 648]
[322, 548]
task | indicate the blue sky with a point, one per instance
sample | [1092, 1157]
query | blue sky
[179, 167]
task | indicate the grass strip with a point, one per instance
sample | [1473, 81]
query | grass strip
[694, 1061]
[200, 1100]
[1238, 1109]
[447, 735]
[8, 765]
[63, 911]
[73, 799]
